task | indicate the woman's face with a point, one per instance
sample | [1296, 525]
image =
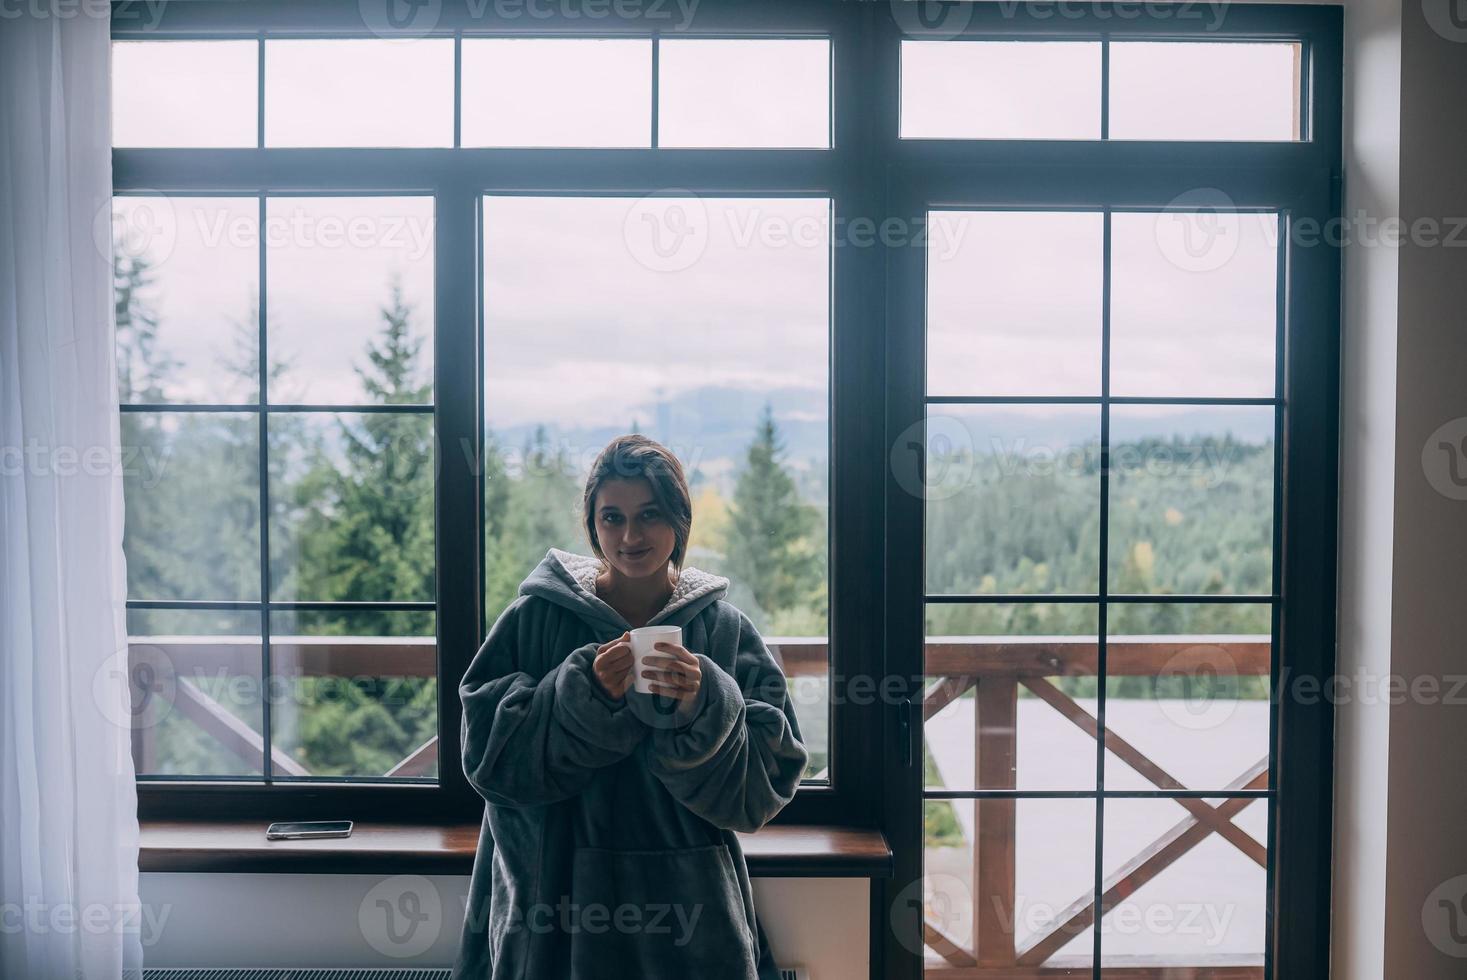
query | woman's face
[634, 534]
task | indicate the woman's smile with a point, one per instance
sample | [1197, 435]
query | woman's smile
[639, 553]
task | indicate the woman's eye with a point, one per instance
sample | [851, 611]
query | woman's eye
[650, 515]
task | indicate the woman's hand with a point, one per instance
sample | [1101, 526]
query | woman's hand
[678, 674]
[613, 665]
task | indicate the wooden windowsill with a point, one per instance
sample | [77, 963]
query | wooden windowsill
[777, 851]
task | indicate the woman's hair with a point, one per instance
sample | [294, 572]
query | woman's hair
[628, 458]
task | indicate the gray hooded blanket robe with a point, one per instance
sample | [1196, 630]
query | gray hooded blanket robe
[608, 848]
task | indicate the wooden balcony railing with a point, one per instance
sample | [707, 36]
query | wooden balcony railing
[183, 662]
[997, 667]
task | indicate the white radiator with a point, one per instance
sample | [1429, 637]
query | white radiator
[285, 973]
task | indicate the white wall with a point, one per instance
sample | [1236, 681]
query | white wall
[333, 920]
[1367, 484]
[1426, 861]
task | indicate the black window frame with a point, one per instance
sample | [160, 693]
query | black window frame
[875, 382]
[1301, 179]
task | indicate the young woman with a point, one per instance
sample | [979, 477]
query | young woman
[608, 846]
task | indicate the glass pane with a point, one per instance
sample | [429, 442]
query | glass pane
[1187, 691]
[356, 693]
[1253, 819]
[1202, 908]
[350, 299]
[1048, 845]
[191, 491]
[1000, 90]
[1191, 500]
[351, 502]
[744, 93]
[185, 273]
[1026, 674]
[1194, 303]
[1013, 499]
[356, 92]
[806, 664]
[703, 324]
[1014, 302]
[195, 681]
[557, 92]
[163, 623]
[185, 93]
[1230, 90]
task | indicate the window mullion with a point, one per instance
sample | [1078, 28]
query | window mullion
[458, 447]
[263, 398]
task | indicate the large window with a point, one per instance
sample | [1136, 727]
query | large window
[1112, 399]
[376, 290]
[1059, 513]
[280, 536]
[999, 348]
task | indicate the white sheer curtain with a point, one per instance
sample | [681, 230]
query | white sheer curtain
[68, 806]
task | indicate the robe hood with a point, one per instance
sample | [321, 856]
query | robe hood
[569, 580]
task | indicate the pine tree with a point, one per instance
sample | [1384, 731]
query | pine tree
[192, 508]
[393, 376]
[142, 370]
[770, 529]
[241, 362]
[368, 530]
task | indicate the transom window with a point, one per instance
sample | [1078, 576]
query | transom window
[474, 91]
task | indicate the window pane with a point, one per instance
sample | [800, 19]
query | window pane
[357, 693]
[806, 663]
[1026, 673]
[1207, 906]
[1187, 689]
[1194, 303]
[1013, 499]
[660, 316]
[350, 299]
[1014, 302]
[1008, 886]
[749, 93]
[1000, 90]
[1167, 90]
[351, 501]
[192, 495]
[557, 92]
[186, 287]
[1191, 500]
[185, 93]
[195, 681]
[359, 92]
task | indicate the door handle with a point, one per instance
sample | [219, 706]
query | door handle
[907, 728]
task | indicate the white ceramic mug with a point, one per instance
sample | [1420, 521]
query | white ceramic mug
[643, 639]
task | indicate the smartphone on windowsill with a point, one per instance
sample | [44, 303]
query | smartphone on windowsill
[308, 829]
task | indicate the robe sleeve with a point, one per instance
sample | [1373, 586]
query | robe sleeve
[733, 754]
[530, 741]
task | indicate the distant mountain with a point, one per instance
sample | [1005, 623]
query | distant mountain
[1012, 428]
[709, 428]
